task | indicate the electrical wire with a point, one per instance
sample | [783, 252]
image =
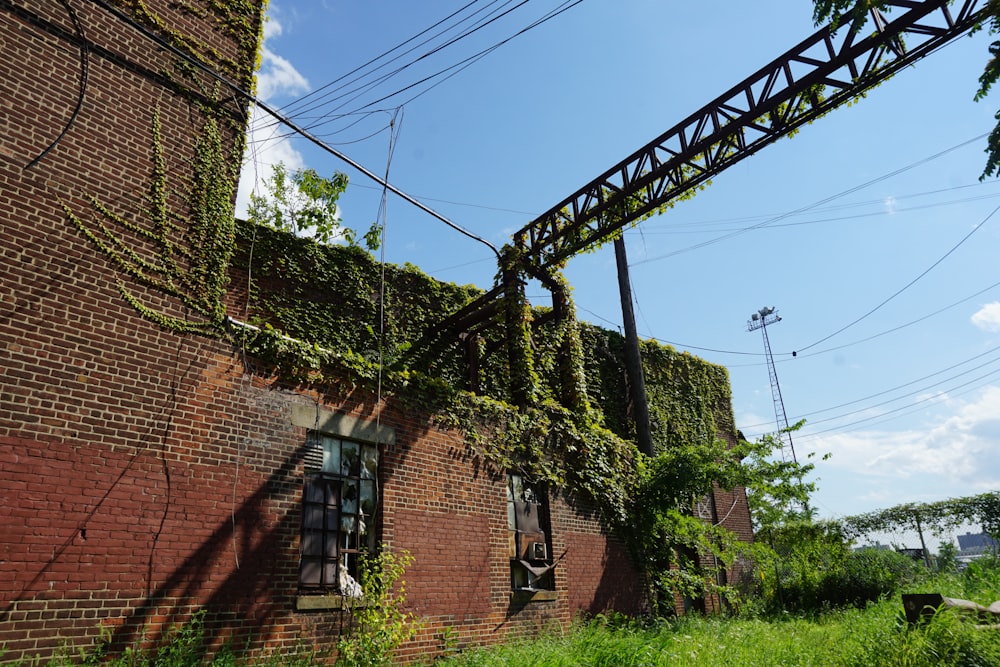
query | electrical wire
[290, 107]
[908, 394]
[383, 216]
[701, 225]
[386, 77]
[465, 63]
[293, 108]
[458, 67]
[84, 76]
[149, 34]
[811, 206]
[857, 216]
[904, 287]
[901, 326]
[912, 407]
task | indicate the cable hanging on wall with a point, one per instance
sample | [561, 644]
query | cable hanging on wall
[303, 132]
[382, 217]
[84, 74]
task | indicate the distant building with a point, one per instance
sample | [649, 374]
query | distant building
[916, 554]
[975, 545]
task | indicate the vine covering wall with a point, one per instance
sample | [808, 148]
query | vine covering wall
[316, 309]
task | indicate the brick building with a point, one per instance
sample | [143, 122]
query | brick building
[147, 471]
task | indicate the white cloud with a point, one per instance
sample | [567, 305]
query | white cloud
[272, 26]
[987, 318]
[263, 151]
[266, 143]
[890, 204]
[277, 76]
[960, 454]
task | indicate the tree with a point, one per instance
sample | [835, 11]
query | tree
[777, 490]
[938, 517]
[669, 539]
[305, 204]
[831, 10]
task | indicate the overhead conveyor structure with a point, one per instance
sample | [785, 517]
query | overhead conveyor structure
[832, 67]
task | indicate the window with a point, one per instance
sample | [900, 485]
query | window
[338, 504]
[528, 529]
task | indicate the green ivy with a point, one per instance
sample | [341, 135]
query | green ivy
[191, 252]
[571, 431]
[937, 517]
[238, 20]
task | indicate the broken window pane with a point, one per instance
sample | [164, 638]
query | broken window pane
[369, 462]
[531, 561]
[338, 502]
[350, 459]
[331, 455]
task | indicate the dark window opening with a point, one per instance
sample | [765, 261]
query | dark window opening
[528, 529]
[339, 499]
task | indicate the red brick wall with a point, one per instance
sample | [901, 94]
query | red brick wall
[144, 474]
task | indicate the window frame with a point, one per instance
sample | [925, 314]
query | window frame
[529, 530]
[339, 508]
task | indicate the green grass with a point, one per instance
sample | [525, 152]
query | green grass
[870, 637]
[875, 636]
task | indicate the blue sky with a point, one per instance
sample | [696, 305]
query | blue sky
[878, 243]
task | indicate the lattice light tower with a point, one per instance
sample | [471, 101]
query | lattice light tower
[760, 320]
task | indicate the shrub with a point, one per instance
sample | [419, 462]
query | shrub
[808, 567]
[380, 625]
[866, 575]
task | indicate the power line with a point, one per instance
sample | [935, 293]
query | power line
[330, 97]
[906, 286]
[814, 205]
[988, 377]
[278, 116]
[890, 390]
[289, 108]
[359, 90]
[694, 228]
[465, 63]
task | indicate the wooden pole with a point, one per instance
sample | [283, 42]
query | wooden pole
[633, 359]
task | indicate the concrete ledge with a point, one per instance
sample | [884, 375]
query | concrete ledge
[344, 426]
[324, 602]
[524, 596]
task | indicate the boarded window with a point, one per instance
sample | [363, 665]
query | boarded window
[528, 531]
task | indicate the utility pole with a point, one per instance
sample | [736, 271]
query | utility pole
[760, 320]
[633, 360]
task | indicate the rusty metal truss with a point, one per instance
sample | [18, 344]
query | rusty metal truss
[818, 75]
[830, 68]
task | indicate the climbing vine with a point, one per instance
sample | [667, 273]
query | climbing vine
[573, 433]
[161, 249]
[550, 404]
[238, 20]
[191, 252]
[937, 517]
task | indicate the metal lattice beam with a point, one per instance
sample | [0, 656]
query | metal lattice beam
[828, 69]
[819, 74]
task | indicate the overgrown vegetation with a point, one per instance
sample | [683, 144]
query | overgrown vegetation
[573, 434]
[550, 397]
[936, 517]
[187, 645]
[808, 568]
[874, 636]
[827, 10]
[305, 204]
[379, 623]
[191, 252]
